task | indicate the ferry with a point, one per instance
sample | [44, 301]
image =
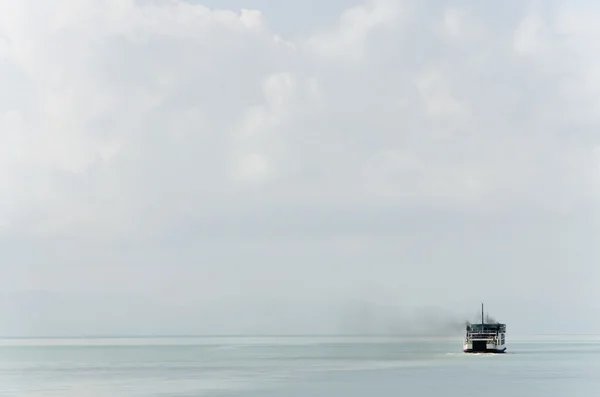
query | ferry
[485, 337]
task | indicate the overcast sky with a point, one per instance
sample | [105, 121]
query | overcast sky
[295, 166]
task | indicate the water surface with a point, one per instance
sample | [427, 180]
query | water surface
[296, 366]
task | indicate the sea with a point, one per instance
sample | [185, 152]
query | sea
[297, 366]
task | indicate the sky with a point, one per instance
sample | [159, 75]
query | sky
[250, 166]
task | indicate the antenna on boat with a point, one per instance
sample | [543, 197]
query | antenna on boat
[482, 322]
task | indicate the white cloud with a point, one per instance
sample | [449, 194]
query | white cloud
[153, 125]
[528, 35]
[203, 101]
[458, 23]
[347, 41]
[441, 105]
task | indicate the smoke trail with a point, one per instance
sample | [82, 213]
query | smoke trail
[372, 319]
[476, 318]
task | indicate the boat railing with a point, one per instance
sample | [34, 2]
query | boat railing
[486, 328]
[482, 335]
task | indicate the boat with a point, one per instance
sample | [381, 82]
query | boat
[486, 337]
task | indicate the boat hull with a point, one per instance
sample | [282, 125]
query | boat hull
[483, 346]
[494, 351]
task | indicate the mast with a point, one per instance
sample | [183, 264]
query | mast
[482, 322]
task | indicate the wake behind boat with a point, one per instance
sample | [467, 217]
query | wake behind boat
[485, 337]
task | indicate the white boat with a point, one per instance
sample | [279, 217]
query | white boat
[485, 337]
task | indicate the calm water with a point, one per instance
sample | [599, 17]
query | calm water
[295, 366]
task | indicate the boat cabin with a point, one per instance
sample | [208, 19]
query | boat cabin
[479, 334]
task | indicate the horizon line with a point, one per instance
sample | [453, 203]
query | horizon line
[265, 335]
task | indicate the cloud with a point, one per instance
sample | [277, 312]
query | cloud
[348, 40]
[168, 103]
[128, 128]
